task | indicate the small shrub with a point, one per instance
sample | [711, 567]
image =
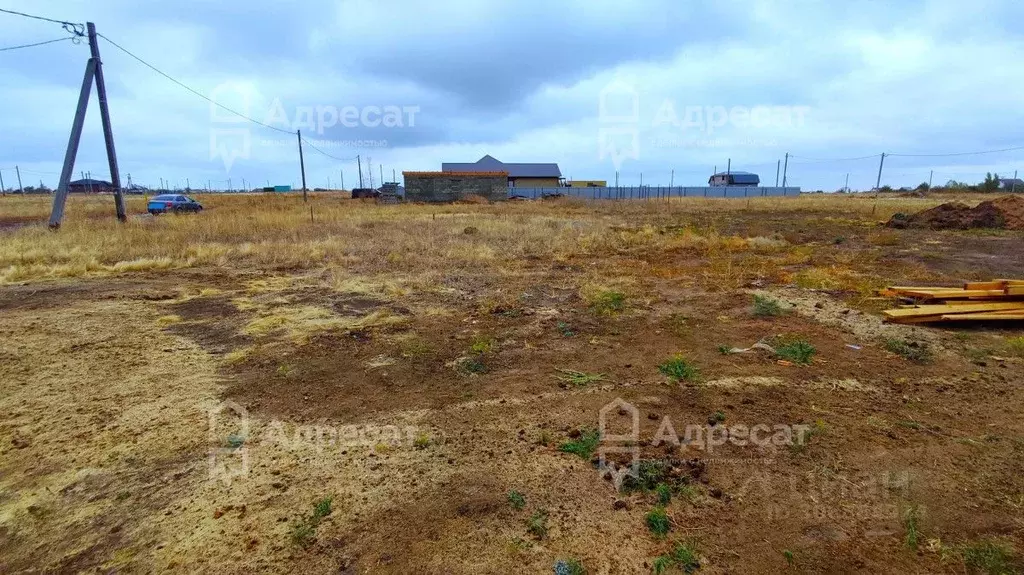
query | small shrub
[537, 524]
[1015, 346]
[765, 306]
[422, 441]
[683, 556]
[678, 368]
[608, 302]
[322, 508]
[788, 555]
[584, 445]
[725, 349]
[664, 493]
[912, 536]
[303, 531]
[516, 499]
[716, 418]
[565, 329]
[911, 350]
[657, 521]
[482, 345]
[649, 474]
[472, 366]
[569, 567]
[990, 557]
[799, 352]
[574, 378]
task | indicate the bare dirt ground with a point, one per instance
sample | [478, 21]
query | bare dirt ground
[375, 391]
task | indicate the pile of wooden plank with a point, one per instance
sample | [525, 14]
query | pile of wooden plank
[1001, 300]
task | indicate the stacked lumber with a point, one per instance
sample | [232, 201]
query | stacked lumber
[1001, 300]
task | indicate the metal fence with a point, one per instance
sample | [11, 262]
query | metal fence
[653, 192]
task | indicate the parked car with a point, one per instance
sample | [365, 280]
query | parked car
[176, 203]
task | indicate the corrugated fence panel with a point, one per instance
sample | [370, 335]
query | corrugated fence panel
[655, 192]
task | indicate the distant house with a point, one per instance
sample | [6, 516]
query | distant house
[90, 186]
[519, 175]
[1011, 184]
[734, 179]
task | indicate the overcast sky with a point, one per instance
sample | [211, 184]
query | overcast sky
[645, 87]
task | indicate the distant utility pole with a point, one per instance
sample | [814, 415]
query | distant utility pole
[785, 170]
[17, 170]
[1013, 185]
[778, 164]
[881, 162]
[616, 178]
[3, 190]
[369, 170]
[188, 184]
[671, 181]
[302, 165]
[728, 167]
[846, 186]
[359, 164]
[381, 166]
[342, 174]
[932, 173]
[394, 178]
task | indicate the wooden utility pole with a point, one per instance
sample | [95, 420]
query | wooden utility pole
[93, 73]
[21, 188]
[342, 174]
[359, 163]
[785, 169]
[3, 190]
[302, 165]
[381, 166]
[878, 182]
[108, 133]
[778, 163]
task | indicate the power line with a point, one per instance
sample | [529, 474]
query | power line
[305, 141]
[958, 153]
[825, 160]
[214, 102]
[77, 29]
[74, 38]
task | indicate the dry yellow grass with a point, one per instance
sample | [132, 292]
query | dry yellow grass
[276, 232]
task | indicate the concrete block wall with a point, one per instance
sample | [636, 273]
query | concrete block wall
[454, 186]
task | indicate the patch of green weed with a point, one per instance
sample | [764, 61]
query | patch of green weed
[678, 368]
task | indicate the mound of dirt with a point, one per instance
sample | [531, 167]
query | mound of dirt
[1006, 212]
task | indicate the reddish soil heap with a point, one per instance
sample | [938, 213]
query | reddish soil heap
[1006, 212]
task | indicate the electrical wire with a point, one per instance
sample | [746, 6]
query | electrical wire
[305, 141]
[197, 93]
[77, 29]
[826, 160]
[957, 153]
[73, 38]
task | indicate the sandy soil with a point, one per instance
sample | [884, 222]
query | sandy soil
[190, 420]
